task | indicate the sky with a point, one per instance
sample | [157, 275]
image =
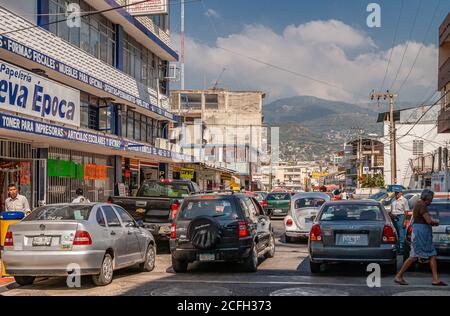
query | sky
[322, 48]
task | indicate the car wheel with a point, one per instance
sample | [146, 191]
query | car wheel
[179, 266]
[315, 267]
[271, 252]
[106, 272]
[251, 262]
[24, 280]
[150, 257]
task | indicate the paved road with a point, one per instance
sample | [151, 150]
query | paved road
[287, 274]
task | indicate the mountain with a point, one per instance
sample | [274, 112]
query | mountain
[313, 128]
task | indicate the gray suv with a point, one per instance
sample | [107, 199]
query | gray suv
[221, 227]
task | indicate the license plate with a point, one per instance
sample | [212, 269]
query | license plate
[42, 241]
[278, 211]
[441, 238]
[206, 257]
[352, 240]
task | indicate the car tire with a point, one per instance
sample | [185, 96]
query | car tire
[24, 280]
[106, 274]
[150, 258]
[315, 267]
[251, 262]
[179, 266]
[271, 252]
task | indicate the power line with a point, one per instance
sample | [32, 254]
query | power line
[393, 45]
[421, 47]
[85, 15]
[407, 44]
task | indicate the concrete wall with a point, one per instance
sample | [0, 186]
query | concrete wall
[24, 8]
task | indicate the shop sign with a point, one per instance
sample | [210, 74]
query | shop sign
[187, 174]
[64, 169]
[94, 172]
[318, 175]
[150, 7]
[27, 93]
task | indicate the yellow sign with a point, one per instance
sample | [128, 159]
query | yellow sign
[318, 175]
[187, 174]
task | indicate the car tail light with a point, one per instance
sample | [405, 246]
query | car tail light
[389, 236]
[82, 238]
[264, 203]
[9, 242]
[174, 209]
[243, 230]
[173, 231]
[409, 232]
[289, 222]
[316, 233]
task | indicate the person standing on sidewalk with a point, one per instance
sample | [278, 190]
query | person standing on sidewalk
[399, 209]
[80, 198]
[16, 202]
[422, 240]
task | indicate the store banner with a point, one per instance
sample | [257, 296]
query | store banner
[30, 94]
[150, 7]
[94, 172]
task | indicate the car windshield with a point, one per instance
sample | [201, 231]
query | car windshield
[164, 189]
[278, 197]
[309, 202]
[353, 212]
[208, 207]
[440, 211]
[60, 213]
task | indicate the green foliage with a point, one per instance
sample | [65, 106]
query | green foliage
[376, 181]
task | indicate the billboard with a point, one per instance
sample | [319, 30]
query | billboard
[150, 7]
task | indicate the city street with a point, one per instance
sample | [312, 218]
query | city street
[287, 274]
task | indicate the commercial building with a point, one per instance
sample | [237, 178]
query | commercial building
[444, 76]
[84, 102]
[223, 129]
[297, 176]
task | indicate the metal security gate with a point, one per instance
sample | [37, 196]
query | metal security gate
[62, 190]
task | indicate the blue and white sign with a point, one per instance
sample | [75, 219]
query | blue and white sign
[30, 94]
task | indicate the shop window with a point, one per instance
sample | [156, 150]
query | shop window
[130, 124]
[143, 128]
[137, 126]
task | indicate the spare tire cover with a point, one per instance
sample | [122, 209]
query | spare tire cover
[204, 233]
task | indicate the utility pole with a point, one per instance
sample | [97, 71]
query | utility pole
[182, 44]
[392, 131]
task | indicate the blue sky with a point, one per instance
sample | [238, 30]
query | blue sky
[327, 40]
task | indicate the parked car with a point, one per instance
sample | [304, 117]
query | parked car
[278, 204]
[303, 211]
[157, 203]
[221, 227]
[440, 210]
[353, 231]
[99, 238]
[261, 198]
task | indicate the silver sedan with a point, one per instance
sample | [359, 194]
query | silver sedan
[95, 238]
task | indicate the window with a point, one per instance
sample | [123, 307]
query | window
[127, 220]
[252, 209]
[137, 126]
[418, 147]
[111, 217]
[100, 218]
[211, 101]
[354, 212]
[130, 124]
[208, 207]
[143, 128]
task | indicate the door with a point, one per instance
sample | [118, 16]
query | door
[134, 248]
[263, 226]
[117, 235]
[250, 213]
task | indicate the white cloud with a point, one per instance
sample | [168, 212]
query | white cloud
[212, 13]
[330, 51]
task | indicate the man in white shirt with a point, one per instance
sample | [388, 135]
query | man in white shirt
[399, 209]
[80, 199]
[16, 202]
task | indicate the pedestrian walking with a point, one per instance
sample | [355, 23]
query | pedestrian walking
[398, 212]
[16, 202]
[80, 199]
[422, 240]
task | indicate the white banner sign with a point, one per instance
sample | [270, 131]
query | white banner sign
[150, 7]
[24, 92]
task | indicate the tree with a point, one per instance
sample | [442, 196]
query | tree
[376, 181]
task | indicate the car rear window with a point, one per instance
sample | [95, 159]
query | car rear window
[60, 213]
[208, 207]
[354, 212]
[164, 189]
[278, 197]
[440, 211]
[309, 202]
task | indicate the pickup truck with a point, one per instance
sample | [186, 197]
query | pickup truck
[156, 204]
